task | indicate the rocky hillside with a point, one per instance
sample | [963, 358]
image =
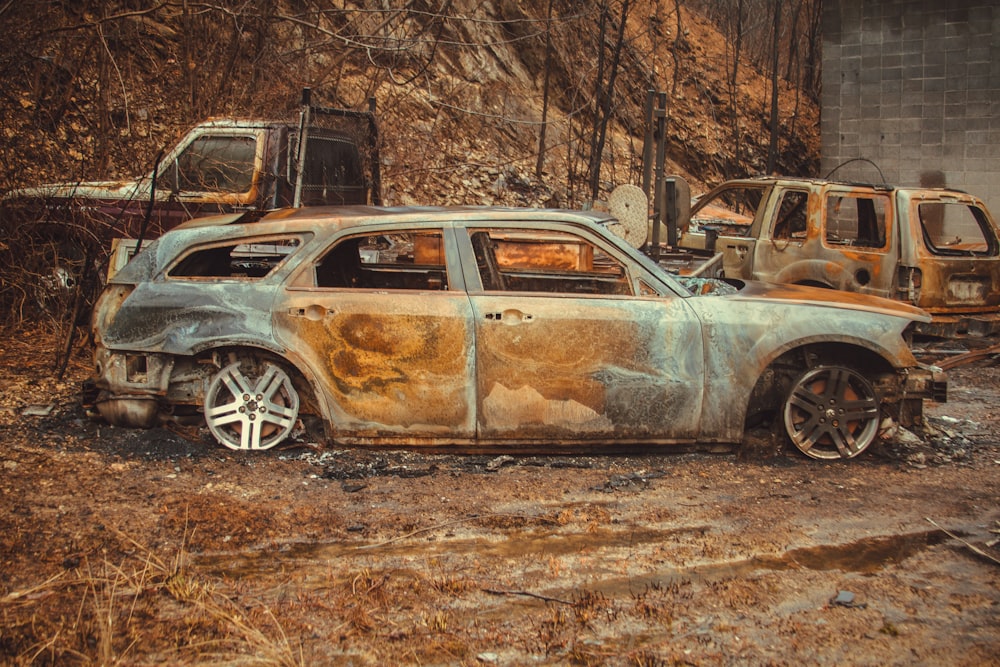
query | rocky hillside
[94, 89]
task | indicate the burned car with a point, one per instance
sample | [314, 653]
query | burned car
[485, 328]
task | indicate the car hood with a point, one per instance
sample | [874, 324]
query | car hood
[818, 296]
[123, 189]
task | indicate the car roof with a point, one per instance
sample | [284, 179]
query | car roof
[333, 219]
[356, 216]
[792, 181]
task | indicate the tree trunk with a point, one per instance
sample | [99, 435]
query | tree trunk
[539, 165]
[594, 160]
[607, 98]
[772, 147]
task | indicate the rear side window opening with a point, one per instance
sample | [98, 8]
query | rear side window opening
[957, 229]
[857, 221]
[239, 260]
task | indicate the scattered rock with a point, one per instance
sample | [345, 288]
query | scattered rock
[499, 462]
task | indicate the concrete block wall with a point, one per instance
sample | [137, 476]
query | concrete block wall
[914, 87]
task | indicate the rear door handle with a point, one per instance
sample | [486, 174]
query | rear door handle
[510, 316]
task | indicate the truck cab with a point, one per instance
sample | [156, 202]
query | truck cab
[62, 233]
[219, 166]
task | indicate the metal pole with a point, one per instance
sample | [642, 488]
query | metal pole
[300, 159]
[373, 154]
[661, 158]
[647, 149]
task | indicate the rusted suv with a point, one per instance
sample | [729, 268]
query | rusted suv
[937, 249]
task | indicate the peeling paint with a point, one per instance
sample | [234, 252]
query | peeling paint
[524, 406]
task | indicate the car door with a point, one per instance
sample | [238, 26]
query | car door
[729, 214]
[213, 171]
[859, 241]
[386, 326]
[565, 350]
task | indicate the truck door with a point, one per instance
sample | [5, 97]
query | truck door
[214, 170]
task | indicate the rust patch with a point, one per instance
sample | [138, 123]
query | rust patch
[393, 372]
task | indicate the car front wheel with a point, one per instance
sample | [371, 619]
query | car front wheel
[832, 412]
[251, 404]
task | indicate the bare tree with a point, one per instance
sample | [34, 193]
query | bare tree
[605, 98]
[540, 163]
[733, 80]
[772, 148]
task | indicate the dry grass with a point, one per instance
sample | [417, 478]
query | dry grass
[144, 607]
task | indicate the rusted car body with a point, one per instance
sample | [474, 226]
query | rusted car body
[511, 329]
[934, 248]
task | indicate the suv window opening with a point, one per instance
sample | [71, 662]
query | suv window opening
[790, 217]
[855, 221]
[956, 229]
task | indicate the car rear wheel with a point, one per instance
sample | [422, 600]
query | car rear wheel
[251, 404]
[832, 412]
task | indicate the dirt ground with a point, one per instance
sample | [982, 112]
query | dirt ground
[140, 547]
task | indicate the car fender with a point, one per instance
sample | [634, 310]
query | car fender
[814, 272]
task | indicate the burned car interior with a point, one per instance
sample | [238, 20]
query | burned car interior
[403, 260]
[235, 260]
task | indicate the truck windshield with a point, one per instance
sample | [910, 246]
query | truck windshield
[216, 164]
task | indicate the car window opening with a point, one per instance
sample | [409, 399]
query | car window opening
[856, 221]
[241, 260]
[956, 229]
[401, 260]
[790, 218]
[556, 262]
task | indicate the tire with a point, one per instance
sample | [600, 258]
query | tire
[831, 412]
[251, 404]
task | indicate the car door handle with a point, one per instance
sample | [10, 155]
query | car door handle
[510, 316]
[313, 312]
